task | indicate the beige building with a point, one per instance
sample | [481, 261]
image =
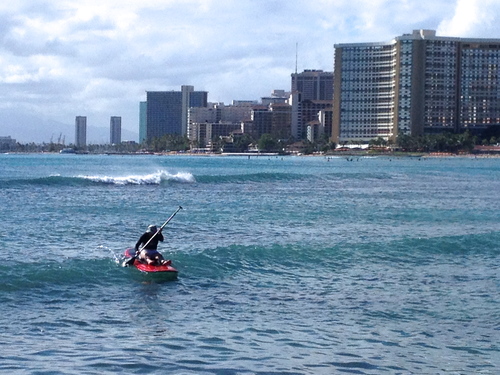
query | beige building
[414, 84]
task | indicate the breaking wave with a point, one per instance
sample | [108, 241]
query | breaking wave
[150, 179]
[157, 178]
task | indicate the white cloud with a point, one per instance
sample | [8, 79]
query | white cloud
[472, 18]
[98, 57]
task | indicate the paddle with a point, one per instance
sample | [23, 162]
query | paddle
[131, 260]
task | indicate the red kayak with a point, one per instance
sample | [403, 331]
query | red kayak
[163, 272]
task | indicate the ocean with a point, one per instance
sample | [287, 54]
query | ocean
[287, 265]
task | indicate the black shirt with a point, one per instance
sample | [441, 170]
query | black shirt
[145, 238]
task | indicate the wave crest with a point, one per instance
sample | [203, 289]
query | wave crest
[149, 179]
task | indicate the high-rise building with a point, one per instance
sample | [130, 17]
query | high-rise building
[167, 111]
[235, 113]
[313, 85]
[262, 119]
[203, 133]
[364, 91]
[311, 110]
[115, 130]
[310, 85]
[81, 131]
[281, 127]
[479, 77]
[274, 119]
[415, 84]
[142, 121]
[218, 113]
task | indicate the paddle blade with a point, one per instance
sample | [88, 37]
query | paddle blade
[129, 262]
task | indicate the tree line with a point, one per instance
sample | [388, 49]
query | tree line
[446, 142]
[442, 142]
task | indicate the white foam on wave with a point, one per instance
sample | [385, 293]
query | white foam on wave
[148, 179]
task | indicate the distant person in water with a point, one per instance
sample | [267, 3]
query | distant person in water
[146, 247]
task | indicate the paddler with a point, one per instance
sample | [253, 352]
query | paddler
[148, 243]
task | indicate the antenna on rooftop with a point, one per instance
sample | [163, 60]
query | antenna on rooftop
[296, 55]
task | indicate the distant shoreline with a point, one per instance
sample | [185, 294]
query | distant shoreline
[340, 154]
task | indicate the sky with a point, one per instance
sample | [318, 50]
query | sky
[97, 58]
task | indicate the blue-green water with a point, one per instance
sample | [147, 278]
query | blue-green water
[289, 265]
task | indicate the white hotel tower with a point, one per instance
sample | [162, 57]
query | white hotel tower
[415, 84]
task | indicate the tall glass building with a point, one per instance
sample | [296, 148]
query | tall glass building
[415, 84]
[167, 111]
[81, 131]
[115, 130]
[142, 121]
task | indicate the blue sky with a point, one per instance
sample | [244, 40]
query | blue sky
[60, 59]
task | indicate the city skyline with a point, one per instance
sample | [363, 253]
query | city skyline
[94, 58]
